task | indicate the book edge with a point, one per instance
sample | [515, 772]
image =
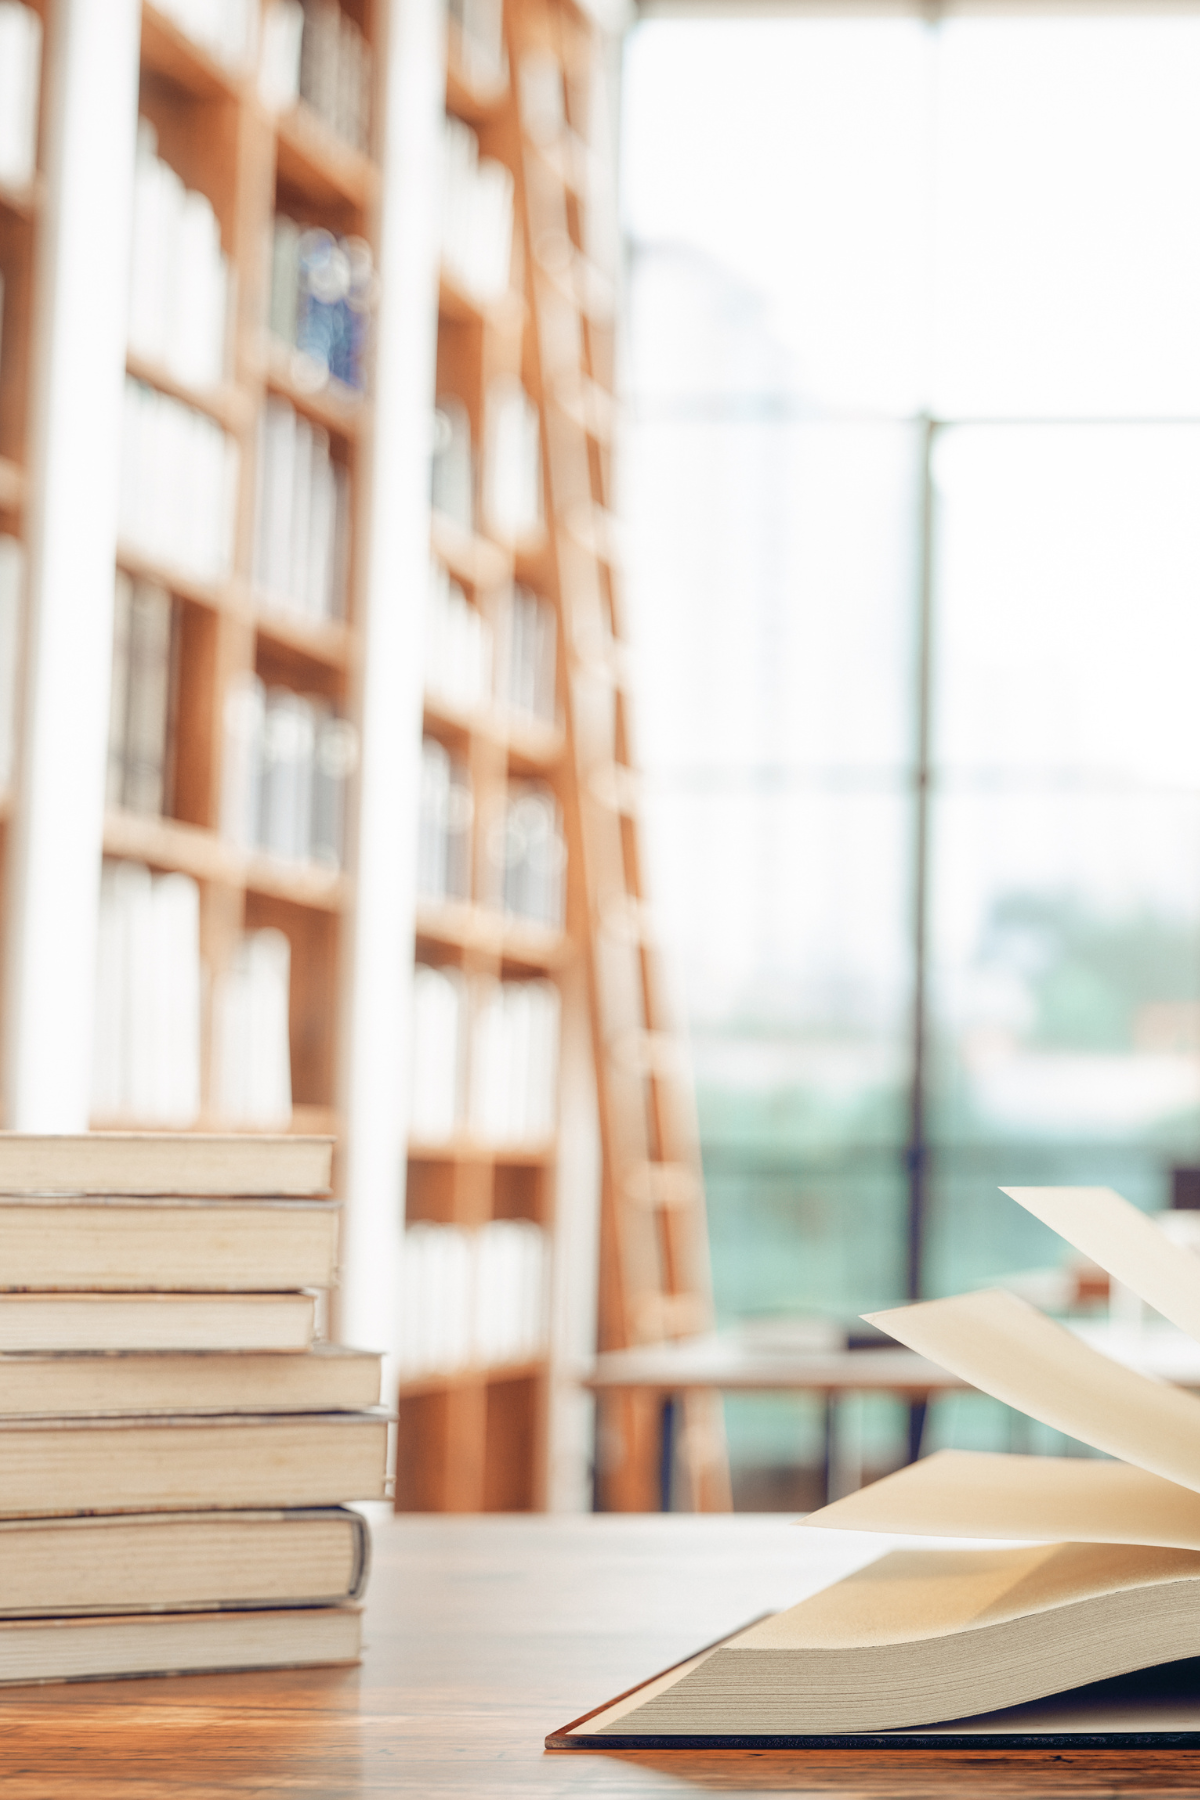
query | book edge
[558, 1740]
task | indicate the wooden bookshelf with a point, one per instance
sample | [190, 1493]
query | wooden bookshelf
[214, 132]
[478, 1438]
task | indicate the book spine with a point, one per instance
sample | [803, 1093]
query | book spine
[147, 699]
[178, 479]
[251, 1076]
[20, 80]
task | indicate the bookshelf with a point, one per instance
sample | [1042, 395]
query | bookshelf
[214, 134]
[474, 1433]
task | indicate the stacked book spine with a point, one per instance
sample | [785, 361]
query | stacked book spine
[177, 1451]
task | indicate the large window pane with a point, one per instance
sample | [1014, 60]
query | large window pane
[1065, 918]
[1067, 634]
[1067, 932]
[771, 590]
[753, 142]
[1068, 260]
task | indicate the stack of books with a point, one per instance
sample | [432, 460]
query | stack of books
[176, 1453]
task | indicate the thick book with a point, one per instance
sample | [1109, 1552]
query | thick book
[184, 1463]
[945, 1641]
[159, 1162]
[177, 1562]
[328, 1378]
[58, 1321]
[165, 1643]
[205, 1246]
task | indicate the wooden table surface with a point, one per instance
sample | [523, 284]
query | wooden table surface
[485, 1633]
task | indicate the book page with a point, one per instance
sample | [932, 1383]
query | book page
[982, 1494]
[912, 1594]
[1124, 1241]
[1007, 1349]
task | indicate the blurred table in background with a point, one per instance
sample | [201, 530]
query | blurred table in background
[764, 1361]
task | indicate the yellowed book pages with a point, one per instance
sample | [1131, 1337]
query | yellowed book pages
[176, 1643]
[924, 1636]
[175, 1562]
[1124, 1241]
[122, 1245]
[983, 1494]
[165, 1162]
[185, 1463]
[218, 1322]
[1003, 1346]
[328, 1378]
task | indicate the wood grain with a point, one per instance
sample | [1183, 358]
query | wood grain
[483, 1634]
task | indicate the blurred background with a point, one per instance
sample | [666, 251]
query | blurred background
[913, 447]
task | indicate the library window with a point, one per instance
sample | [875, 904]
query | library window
[911, 476]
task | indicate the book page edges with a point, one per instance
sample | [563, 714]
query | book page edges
[1005, 1348]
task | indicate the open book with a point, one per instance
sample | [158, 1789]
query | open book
[943, 1645]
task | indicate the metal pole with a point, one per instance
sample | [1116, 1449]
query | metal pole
[917, 1146]
[918, 1154]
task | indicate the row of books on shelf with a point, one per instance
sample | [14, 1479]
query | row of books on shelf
[511, 654]
[20, 83]
[334, 71]
[484, 1058]
[477, 214]
[322, 295]
[177, 1451]
[143, 697]
[150, 986]
[480, 28]
[524, 844]
[302, 516]
[179, 474]
[307, 50]
[288, 758]
[473, 1298]
[179, 276]
[507, 498]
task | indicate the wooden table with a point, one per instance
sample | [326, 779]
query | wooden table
[485, 1633]
[724, 1363]
[729, 1365]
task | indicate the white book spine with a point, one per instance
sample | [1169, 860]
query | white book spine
[20, 78]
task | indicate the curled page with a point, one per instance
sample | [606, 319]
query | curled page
[1051, 1499]
[1001, 1345]
[1124, 1241]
